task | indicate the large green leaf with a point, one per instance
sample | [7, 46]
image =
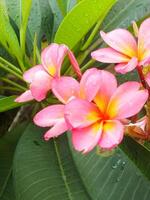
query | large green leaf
[8, 103]
[44, 170]
[124, 12]
[81, 19]
[9, 190]
[7, 146]
[53, 170]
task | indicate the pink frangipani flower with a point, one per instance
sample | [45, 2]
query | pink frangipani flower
[124, 50]
[101, 121]
[65, 89]
[40, 77]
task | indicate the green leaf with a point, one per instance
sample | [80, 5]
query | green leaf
[138, 153]
[63, 6]
[25, 12]
[124, 12]
[8, 36]
[53, 170]
[7, 147]
[43, 170]
[81, 19]
[9, 190]
[8, 103]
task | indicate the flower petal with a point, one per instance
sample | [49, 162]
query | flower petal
[65, 88]
[123, 68]
[127, 101]
[112, 134]
[90, 84]
[58, 129]
[49, 116]
[144, 39]
[81, 113]
[52, 58]
[26, 96]
[29, 74]
[121, 40]
[74, 63]
[146, 60]
[108, 87]
[40, 85]
[109, 55]
[86, 139]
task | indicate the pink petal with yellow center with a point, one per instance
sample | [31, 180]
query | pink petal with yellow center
[121, 40]
[26, 96]
[86, 139]
[144, 40]
[127, 101]
[65, 88]
[112, 134]
[40, 85]
[109, 55]
[49, 116]
[90, 84]
[29, 74]
[108, 87]
[52, 58]
[58, 129]
[123, 68]
[81, 113]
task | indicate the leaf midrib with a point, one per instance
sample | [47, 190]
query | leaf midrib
[64, 178]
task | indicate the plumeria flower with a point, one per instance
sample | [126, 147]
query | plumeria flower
[101, 122]
[40, 77]
[124, 50]
[65, 89]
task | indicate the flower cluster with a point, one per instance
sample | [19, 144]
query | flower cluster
[94, 109]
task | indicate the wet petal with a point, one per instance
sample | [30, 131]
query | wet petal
[121, 40]
[81, 113]
[123, 68]
[86, 139]
[58, 129]
[65, 88]
[112, 134]
[109, 55]
[26, 96]
[40, 85]
[49, 116]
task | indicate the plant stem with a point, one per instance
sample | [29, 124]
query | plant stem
[10, 65]
[141, 75]
[13, 83]
[87, 65]
[11, 71]
[92, 35]
[10, 88]
[22, 67]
